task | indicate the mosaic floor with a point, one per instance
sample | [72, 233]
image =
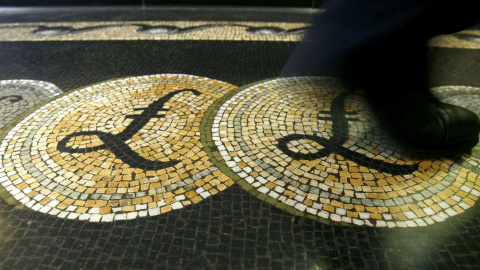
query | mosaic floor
[170, 143]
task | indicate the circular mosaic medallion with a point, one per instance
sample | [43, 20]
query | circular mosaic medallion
[117, 150]
[16, 96]
[313, 149]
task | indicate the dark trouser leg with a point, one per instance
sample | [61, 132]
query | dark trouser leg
[380, 47]
[371, 36]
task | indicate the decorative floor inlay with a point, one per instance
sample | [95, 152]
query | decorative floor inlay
[141, 146]
[153, 30]
[117, 150]
[307, 146]
[16, 96]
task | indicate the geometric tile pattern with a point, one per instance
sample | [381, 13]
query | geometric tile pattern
[16, 96]
[307, 146]
[158, 30]
[117, 150]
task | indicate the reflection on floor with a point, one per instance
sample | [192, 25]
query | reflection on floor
[166, 144]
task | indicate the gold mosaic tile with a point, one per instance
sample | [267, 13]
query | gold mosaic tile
[112, 151]
[334, 153]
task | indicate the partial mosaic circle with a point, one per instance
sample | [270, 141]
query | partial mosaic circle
[308, 146]
[117, 150]
[16, 96]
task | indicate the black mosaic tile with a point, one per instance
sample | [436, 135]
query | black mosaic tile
[149, 58]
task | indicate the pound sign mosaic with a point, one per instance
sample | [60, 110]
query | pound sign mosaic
[306, 145]
[116, 142]
[334, 145]
[117, 150]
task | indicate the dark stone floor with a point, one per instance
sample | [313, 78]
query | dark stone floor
[232, 229]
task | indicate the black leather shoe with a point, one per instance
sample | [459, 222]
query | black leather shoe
[429, 129]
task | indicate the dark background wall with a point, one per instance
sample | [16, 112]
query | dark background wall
[267, 3]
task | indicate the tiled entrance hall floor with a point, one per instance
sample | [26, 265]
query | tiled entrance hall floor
[163, 139]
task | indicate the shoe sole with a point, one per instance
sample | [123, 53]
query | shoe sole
[444, 152]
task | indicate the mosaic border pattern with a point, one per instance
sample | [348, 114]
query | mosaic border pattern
[153, 30]
[189, 30]
[63, 160]
[435, 191]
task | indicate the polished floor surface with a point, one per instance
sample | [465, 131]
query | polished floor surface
[163, 138]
